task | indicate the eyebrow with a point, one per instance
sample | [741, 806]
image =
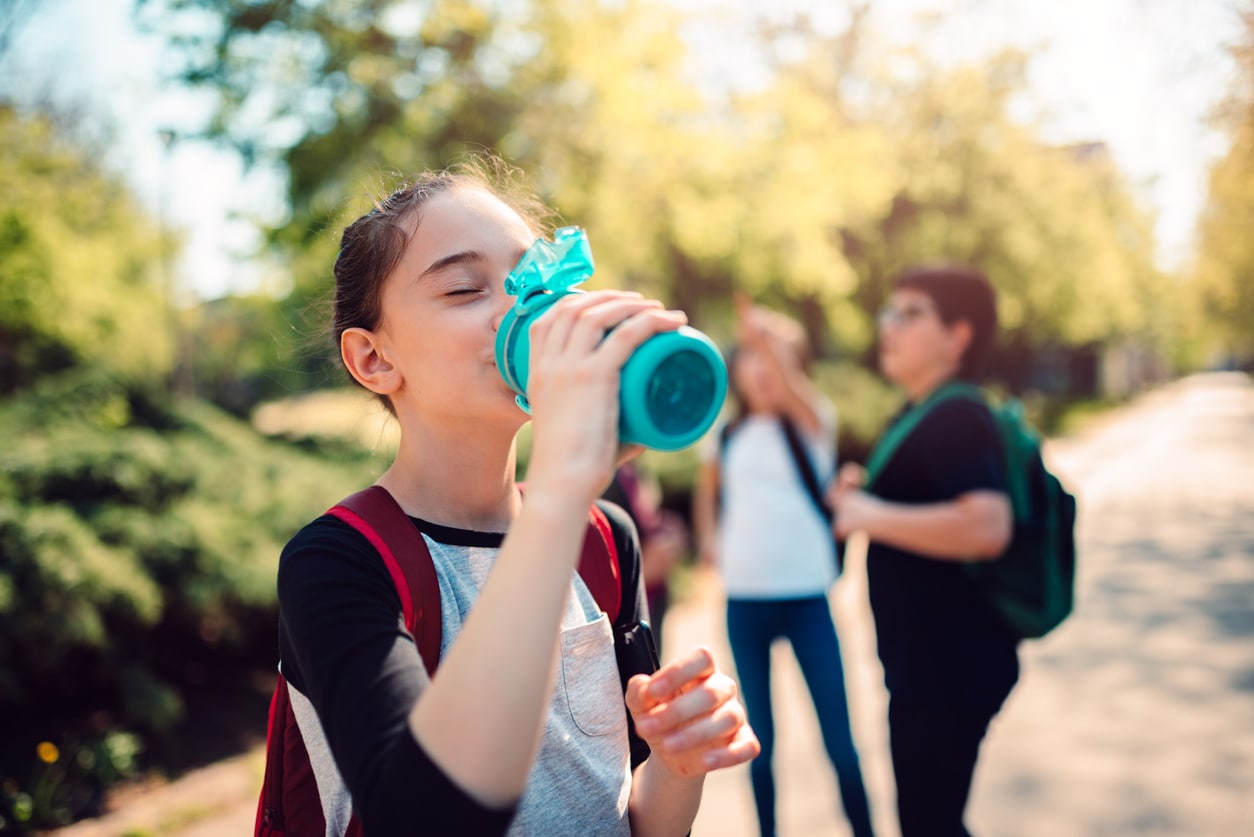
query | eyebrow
[449, 261]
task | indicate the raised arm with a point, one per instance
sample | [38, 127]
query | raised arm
[705, 513]
[508, 645]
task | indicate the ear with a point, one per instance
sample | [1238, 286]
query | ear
[366, 358]
[960, 336]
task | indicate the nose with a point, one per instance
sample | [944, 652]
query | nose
[504, 303]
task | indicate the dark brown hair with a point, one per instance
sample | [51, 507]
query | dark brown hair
[961, 293]
[372, 246]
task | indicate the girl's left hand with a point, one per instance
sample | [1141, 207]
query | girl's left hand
[689, 715]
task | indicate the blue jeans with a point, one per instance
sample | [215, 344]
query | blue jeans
[752, 625]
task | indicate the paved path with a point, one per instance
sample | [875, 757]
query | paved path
[1136, 717]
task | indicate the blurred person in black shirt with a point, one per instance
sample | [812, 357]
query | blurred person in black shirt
[949, 661]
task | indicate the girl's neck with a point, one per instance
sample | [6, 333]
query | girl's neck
[464, 480]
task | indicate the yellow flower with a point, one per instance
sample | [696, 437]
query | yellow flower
[48, 752]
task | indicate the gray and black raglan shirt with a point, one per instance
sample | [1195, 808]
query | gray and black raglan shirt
[354, 672]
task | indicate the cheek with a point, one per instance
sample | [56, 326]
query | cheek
[886, 357]
[432, 352]
[893, 353]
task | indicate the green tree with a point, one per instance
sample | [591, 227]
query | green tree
[340, 95]
[79, 262]
[688, 186]
[1225, 264]
[809, 190]
[1056, 228]
[343, 99]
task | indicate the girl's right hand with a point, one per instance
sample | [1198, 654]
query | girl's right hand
[578, 348]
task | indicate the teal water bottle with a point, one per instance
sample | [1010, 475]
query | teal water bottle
[672, 386]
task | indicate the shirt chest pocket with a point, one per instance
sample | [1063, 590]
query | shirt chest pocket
[590, 681]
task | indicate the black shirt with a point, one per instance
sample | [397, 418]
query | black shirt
[939, 638]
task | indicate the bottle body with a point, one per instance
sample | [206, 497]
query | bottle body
[672, 387]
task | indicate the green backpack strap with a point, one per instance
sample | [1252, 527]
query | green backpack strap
[901, 429]
[1020, 445]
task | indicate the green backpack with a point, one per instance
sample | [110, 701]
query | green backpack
[1032, 584]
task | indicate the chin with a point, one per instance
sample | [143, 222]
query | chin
[886, 364]
[890, 370]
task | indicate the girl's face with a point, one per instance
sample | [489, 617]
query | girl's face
[915, 344]
[754, 381]
[443, 303]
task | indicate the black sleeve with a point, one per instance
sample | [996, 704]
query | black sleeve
[633, 643]
[343, 644]
[957, 450]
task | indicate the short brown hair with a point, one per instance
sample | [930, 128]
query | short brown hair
[961, 293]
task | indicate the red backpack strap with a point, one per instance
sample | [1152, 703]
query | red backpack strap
[376, 515]
[289, 794]
[270, 803]
[598, 564]
[289, 802]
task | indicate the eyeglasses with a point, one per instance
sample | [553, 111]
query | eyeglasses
[897, 317]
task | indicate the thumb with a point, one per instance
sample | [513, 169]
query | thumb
[637, 695]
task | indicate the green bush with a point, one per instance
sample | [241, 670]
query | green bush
[140, 540]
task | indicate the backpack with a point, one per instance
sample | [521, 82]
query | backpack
[805, 472]
[1031, 585]
[289, 802]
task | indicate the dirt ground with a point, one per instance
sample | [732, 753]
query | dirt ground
[1135, 717]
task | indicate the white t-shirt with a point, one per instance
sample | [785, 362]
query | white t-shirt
[772, 541]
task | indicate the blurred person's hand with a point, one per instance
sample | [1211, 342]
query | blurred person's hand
[752, 325]
[851, 506]
[851, 476]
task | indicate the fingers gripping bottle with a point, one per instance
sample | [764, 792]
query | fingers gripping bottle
[672, 386]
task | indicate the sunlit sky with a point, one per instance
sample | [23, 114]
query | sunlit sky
[1140, 75]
